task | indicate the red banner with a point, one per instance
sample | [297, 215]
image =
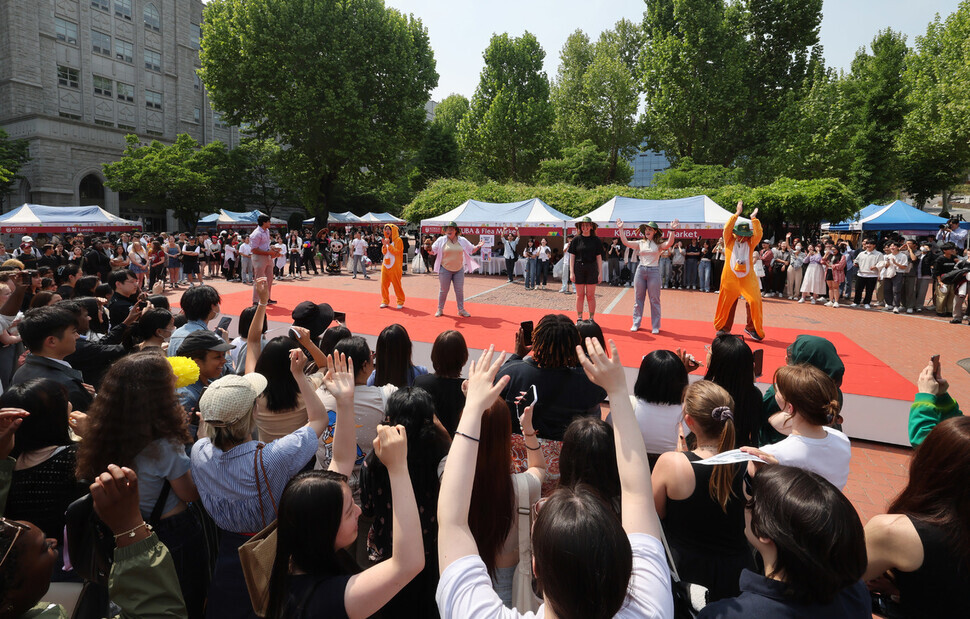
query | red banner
[498, 230]
[71, 229]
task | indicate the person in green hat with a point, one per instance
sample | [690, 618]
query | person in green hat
[453, 257]
[738, 278]
[647, 277]
[586, 266]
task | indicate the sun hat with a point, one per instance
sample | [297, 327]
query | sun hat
[315, 317]
[743, 229]
[650, 224]
[587, 220]
[230, 398]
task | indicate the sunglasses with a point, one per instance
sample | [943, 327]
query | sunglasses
[19, 528]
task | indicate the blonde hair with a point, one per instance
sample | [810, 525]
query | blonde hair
[811, 392]
[228, 436]
[711, 408]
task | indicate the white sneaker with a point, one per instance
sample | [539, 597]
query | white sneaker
[383, 305]
[835, 304]
[634, 329]
[829, 304]
[895, 310]
[400, 306]
[464, 314]
[813, 301]
[801, 300]
[853, 305]
[909, 310]
[867, 306]
[655, 331]
[438, 314]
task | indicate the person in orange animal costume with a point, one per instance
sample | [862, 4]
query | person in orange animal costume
[738, 278]
[391, 267]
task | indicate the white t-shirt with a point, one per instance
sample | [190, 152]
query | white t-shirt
[829, 456]
[649, 254]
[543, 253]
[658, 424]
[465, 589]
[246, 250]
[359, 246]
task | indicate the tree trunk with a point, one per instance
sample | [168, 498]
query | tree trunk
[321, 200]
[945, 204]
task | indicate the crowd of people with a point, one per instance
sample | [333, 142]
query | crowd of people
[309, 475]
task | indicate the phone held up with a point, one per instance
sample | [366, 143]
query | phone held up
[224, 323]
[527, 327]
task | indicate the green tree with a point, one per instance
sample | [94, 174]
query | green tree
[573, 122]
[689, 174]
[438, 155]
[14, 154]
[934, 144]
[182, 177]
[508, 127]
[258, 166]
[449, 113]
[584, 165]
[342, 84]
[875, 169]
[612, 97]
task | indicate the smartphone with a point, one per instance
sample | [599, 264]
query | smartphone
[224, 323]
[529, 399]
[527, 327]
[293, 334]
[143, 304]
[935, 360]
[759, 362]
[340, 317]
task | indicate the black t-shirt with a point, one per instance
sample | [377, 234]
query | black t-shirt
[944, 265]
[448, 398]
[312, 597]
[65, 291]
[586, 248]
[693, 248]
[189, 260]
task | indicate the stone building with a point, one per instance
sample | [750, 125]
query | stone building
[76, 76]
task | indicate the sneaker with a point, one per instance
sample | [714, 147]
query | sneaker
[753, 335]
[829, 304]
[956, 321]
[867, 306]
[655, 331]
[801, 300]
[895, 310]
[400, 306]
[909, 310]
[814, 301]
[383, 305]
[365, 277]
[853, 305]
[464, 314]
[634, 329]
[836, 304]
[438, 314]
[272, 301]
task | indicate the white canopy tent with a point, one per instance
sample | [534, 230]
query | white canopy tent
[699, 216]
[532, 217]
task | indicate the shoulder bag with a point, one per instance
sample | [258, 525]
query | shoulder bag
[259, 552]
[523, 598]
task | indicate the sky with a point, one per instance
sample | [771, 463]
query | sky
[460, 29]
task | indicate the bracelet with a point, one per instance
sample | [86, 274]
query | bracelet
[527, 434]
[533, 448]
[468, 437]
[131, 532]
[262, 304]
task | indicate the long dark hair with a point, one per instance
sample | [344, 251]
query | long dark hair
[817, 532]
[282, 392]
[307, 523]
[732, 367]
[588, 456]
[135, 405]
[938, 492]
[393, 357]
[493, 502]
[46, 401]
[662, 378]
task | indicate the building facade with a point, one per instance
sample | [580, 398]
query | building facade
[646, 163]
[77, 76]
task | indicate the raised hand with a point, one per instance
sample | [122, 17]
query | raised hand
[740, 208]
[482, 388]
[604, 370]
[302, 334]
[754, 214]
[391, 446]
[339, 379]
[297, 362]
[10, 420]
[115, 494]
[619, 223]
[674, 224]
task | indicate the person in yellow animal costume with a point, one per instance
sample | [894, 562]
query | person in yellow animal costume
[391, 267]
[738, 278]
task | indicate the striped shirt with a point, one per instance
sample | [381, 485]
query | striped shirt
[227, 479]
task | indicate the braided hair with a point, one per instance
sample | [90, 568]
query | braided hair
[554, 342]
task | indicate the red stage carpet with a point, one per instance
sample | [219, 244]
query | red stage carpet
[496, 324]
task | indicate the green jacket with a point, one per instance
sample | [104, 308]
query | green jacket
[927, 411]
[143, 582]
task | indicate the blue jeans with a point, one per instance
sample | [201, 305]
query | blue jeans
[666, 272]
[690, 273]
[357, 264]
[542, 272]
[704, 274]
[446, 279]
[531, 267]
[647, 280]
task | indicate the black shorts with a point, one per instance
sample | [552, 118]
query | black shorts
[190, 268]
[586, 273]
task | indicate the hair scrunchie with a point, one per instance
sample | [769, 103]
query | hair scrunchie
[722, 413]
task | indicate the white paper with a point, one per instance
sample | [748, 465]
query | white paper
[730, 457]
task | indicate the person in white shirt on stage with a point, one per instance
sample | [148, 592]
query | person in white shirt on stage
[647, 277]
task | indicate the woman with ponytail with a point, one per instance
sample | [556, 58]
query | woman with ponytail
[702, 506]
[810, 399]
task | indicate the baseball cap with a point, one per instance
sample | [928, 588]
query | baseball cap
[203, 340]
[964, 363]
[315, 317]
[230, 398]
[26, 239]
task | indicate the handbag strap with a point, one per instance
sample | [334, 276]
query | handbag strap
[670, 558]
[524, 514]
[258, 467]
[160, 504]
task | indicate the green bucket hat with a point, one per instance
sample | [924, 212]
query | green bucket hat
[452, 224]
[743, 229]
[586, 220]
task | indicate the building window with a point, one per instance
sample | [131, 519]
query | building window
[154, 132]
[126, 127]
[153, 61]
[197, 114]
[153, 20]
[69, 115]
[104, 5]
[198, 82]
[217, 121]
[66, 76]
[103, 123]
[102, 86]
[65, 30]
[153, 99]
[123, 9]
[124, 50]
[195, 35]
[126, 92]
[100, 43]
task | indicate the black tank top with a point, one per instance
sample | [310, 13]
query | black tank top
[939, 587]
[699, 523]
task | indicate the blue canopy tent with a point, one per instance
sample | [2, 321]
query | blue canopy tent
[897, 216]
[235, 219]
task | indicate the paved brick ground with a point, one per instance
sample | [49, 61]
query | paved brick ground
[904, 342]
